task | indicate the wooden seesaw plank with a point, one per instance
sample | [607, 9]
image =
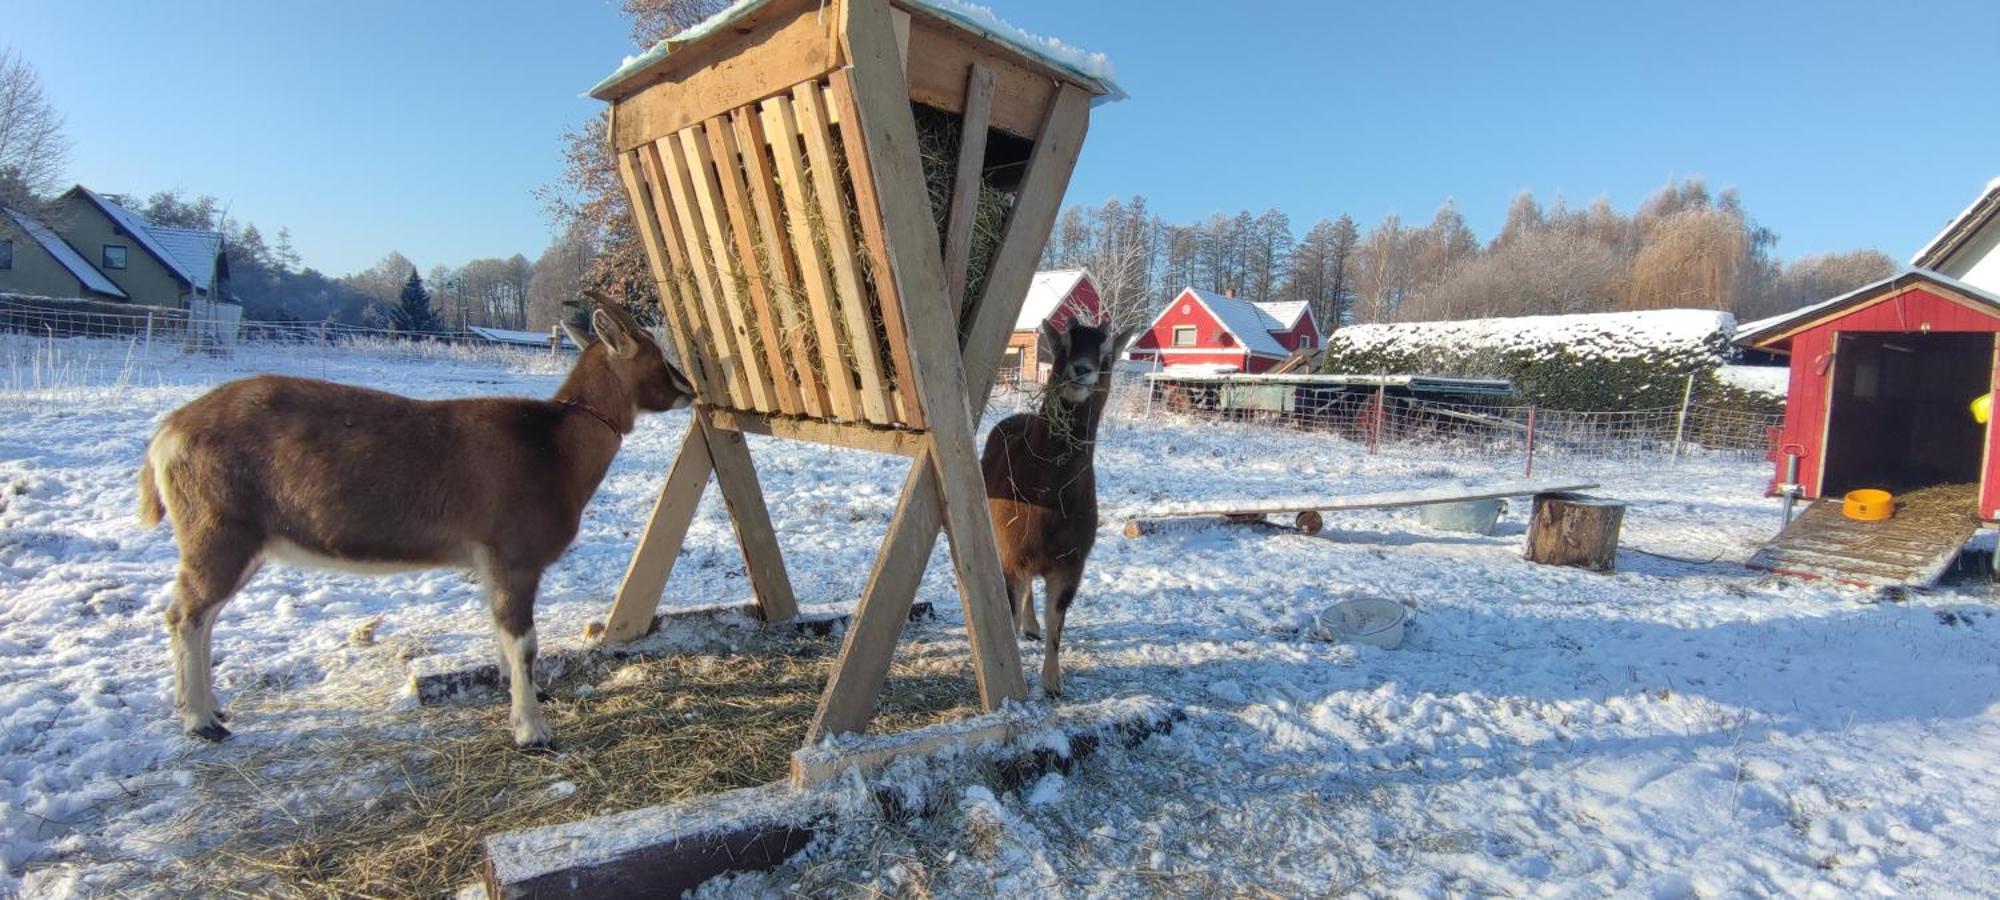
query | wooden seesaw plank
[1140, 523]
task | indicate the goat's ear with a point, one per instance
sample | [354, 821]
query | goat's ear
[581, 340]
[613, 333]
[1058, 338]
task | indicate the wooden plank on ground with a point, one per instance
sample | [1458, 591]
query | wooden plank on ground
[850, 295]
[1382, 500]
[781, 125]
[1905, 551]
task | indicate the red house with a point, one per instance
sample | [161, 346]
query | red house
[1055, 298]
[1221, 333]
[1881, 382]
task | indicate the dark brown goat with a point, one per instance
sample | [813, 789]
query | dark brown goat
[1041, 486]
[313, 473]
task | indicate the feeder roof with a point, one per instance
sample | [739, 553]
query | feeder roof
[1093, 69]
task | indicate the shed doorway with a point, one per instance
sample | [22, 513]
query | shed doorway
[1899, 417]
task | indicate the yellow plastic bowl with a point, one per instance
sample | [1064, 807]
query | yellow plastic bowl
[1869, 505]
[1982, 408]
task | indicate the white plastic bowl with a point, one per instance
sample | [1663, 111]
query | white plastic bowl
[1365, 620]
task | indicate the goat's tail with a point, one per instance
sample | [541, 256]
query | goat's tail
[151, 510]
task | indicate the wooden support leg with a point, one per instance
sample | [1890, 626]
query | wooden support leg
[863, 665]
[730, 456]
[639, 594]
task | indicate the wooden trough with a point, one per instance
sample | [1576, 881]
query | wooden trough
[772, 162]
[1306, 511]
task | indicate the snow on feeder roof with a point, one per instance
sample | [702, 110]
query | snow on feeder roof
[1093, 70]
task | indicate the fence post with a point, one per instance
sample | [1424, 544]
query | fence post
[1681, 424]
[149, 330]
[1529, 470]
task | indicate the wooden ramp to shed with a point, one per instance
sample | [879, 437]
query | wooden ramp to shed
[1910, 550]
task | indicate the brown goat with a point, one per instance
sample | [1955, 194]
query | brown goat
[1041, 486]
[313, 473]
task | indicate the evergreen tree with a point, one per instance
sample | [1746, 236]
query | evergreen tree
[413, 311]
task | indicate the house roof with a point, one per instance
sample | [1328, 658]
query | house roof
[195, 248]
[1092, 70]
[1775, 332]
[1284, 315]
[1251, 325]
[1962, 226]
[66, 255]
[141, 231]
[1046, 294]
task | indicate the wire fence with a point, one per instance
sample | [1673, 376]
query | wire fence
[1542, 440]
[1368, 421]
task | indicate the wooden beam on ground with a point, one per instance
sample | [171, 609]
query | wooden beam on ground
[737, 476]
[1147, 521]
[849, 701]
[660, 544]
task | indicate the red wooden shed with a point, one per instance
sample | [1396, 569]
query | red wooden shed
[1221, 333]
[1882, 379]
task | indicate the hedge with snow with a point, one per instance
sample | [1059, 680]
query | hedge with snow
[1601, 361]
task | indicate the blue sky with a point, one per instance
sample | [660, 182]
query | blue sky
[373, 125]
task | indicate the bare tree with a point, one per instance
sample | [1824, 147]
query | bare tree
[33, 149]
[589, 189]
[558, 274]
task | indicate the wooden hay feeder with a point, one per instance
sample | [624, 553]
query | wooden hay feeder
[775, 165]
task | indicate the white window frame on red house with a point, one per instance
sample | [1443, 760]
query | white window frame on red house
[1184, 336]
[1305, 342]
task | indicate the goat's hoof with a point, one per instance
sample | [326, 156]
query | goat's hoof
[544, 747]
[213, 732]
[542, 696]
[1031, 635]
[222, 715]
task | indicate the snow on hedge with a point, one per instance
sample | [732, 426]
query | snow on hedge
[1609, 335]
[1767, 381]
[1599, 361]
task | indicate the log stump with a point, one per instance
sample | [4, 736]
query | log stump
[1309, 522]
[1575, 530]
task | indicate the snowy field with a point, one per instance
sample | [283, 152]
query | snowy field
[1680, 728]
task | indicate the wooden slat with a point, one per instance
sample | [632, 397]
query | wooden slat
[780, 268]
[849, 700]
[660, 544]
[850, 297]
[966, 180]
[998, 305]
[853, 435]
[781, 126]
[916, 265]
[908, 410]
[736, 313]
[721, 339]
[684, 314]
[641, 196]
[742, 221]
[792, 41]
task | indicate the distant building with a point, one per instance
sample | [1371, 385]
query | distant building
[1055, 298]
[89, 245]
[1968, 248]
[1219, 333]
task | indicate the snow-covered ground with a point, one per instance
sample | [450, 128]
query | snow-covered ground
[1679, 728]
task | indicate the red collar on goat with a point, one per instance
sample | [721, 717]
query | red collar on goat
[595, 413]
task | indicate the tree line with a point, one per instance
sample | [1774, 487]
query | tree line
[1683, 247]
